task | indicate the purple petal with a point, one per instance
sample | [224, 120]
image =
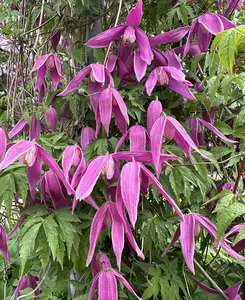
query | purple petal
[140, 66]
[3, 244]
[153, 113]
[203, 38]
[121, 105]
[91, 176]
[34, 174]
[135, 15]
[105, 108]
[111, 62]
[98, 72]
[187, 240]
[121, 141]
[207, 224]
[189, 37]
[211, 22]
[3, 143]
[173, 60]
[137, 137]
[160, 189]
[17, 128]
[103, 39]
[130, 187]
[174, 240]
[51, 118]
[195, 127]
[94, 287]
[233, 291]
[40, 76]
[226, 23]
[107, 287]
[152, 81]
[193, 50]
[91, 202]
[144, 46]
[172, 36]
[230, 251]
[40, 62]
[205, 288]
[35, 129]
[125, 283]
[87, 136]
[234, 229]
[76, 81]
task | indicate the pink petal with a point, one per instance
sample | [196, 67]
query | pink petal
[125, 283]
[76, 81]
[90, 177]
[207, 225]
[153, 113]
[132, 241]
[87, 136]
[103, 39]
[35, 129]
[205, 288]
[122, 140]
[211, 22]
[137, 137]
[34, 174]
[233, 291]
[135, 15]
[98, 72]
[187, 235]
[105, 108]
[3, 244]
[174, 240]
[203, 38]
[40, 62]
[234, 229]
[40, 76]
[51, 118]
[152, 81]
[121, 105]
[172, 36]
[180, 88]
[160, 189]
[130, 188]
[226, 23]
[140, 66]
[111, 62]
[94, 287]
[3, 143]
[107, 287]
[229, 250]
[17, 128]
[189, 37]
[144, 46]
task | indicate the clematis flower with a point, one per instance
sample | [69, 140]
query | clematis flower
[34, 129]
[48, 62]
[3, 143]
[137, 137]
[172, 36]
[51, 118]
[197, 136]
[87, 137]
[239, 243]
[173, 78]
[187, 230]
[54, 39]
[130, 33]
[111, 101]
[168, 127]
[154, 112]
[167, 59]
[3, 244]
[232, 292]
[31, 154]
[108, 216]
[105, 280]
[204, 27]
[208, 116]
[25, 282]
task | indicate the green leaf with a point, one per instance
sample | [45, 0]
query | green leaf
[50, 228]
[240, 236]
[227, 215]
[225, 202]
[101, 146]
[99, 54]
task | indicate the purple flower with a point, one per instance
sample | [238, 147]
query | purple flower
[105, 280]
[25, 282]
[48, 62]
[51, 118]
[204, 27]
[55, 40]
[173, 78]
[186, 232]
[232, 292]
[240, 245]
[130, 33]
[3, 243]
[87, 136]
[172, 36]
[3, 143]
[154, 112]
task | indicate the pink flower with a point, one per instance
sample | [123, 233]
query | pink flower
[48, 62]
[3, 243]
[25, 282]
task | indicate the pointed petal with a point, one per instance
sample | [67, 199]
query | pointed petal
[35, 129]
[111, 62]
[121, 141]
[55, 78]
[48, 159]
[233, 291]
[87, 136]
[195, 127]
[137, 137]
[15, 152]
[153, 113]
[94, 287]
[215, 131]
[117, 234]
[207, 225]
[211, 22]
[229, 250]
[152, 81]
[105, 108]
[3, 243]
[103, 39]
[19, 127]
[240, 246]
[120, 119]
[40, 62]
[40, 76]
[160, 189]
[125, 283]
[121, 105]
[172, 36]
[3, 143]
[33, 175]
[132, 241]
[189, 37]
[98, 72]
[91, 202]
[203, 38]
[226, 23]
[187, 235]
[90, 176]
[95, 230]
[107, 288]
[135, 15]
[130, 187]
[205, 288]
[144, 46]
[173, 60]
[140, 66]
[181, 88]
[234, 229]
[174, 240]
[76, 81]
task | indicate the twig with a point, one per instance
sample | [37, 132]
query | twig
[117, 19]
[239, 175]
[40, 23]
[210, 279]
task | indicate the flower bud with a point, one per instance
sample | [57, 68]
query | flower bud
[3, 143]
[51, 118]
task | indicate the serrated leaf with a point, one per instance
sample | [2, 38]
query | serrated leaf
[50, 229]
[240, 236]
[225, 202]
[176, 182]
[60, 253]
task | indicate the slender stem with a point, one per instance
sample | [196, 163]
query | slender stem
[239, 175]
[211, 280]
[117, 19]
[40, 23]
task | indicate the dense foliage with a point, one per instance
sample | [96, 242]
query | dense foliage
[122, 149]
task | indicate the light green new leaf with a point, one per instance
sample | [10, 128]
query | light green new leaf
[50, 228]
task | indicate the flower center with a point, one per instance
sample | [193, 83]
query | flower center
[163, 77]
[50, 63]
[129, 36]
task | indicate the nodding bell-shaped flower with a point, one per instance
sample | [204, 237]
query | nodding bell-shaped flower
[3, 243]
[25, 282]
[129, 32]
[87, 137]
[232, 292]
[3, 143]
[51, 118]
[187, 230]
[108, 216]
[48, 62]
[204, 27]
[105, 280]
[154, 112]
[173, 78]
